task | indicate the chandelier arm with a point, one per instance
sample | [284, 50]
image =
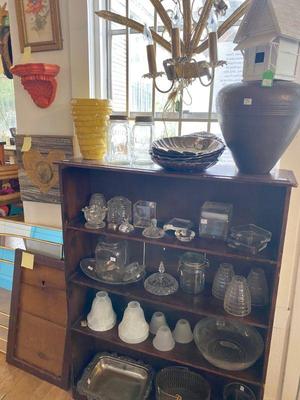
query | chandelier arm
[239, 12]
[131, 23]
[163, 91]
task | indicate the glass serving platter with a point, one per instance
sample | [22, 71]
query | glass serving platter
[109, 377]
[134, 274]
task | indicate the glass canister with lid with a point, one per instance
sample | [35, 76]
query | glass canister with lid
[141, 139]
[111, 259]
[118, 140]
[192, 272]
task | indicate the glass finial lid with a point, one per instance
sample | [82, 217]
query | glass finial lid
[161, 283]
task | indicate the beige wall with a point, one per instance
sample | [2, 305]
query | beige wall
[72, 81]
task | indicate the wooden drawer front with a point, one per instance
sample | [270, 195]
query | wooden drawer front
[44, 276]
[4, 320]
[3, 346]
[40, 343]
[44, 302]
[3, 333]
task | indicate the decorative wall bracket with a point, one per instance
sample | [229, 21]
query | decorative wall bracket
[39, 80]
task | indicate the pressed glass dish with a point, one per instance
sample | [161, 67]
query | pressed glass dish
[221, 281]
[237, 300]
[258, 286]
[161, 283]
[229, 345]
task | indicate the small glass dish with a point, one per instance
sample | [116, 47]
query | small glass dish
[94, 216]
[153, 231]
[177, 224]
[143, 213]
[161, 283]
[126, 227]
[249, 238]
[185, 235]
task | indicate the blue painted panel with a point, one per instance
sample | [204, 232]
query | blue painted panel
[6, 269]
[6, 282]
[7, 254]
[49, 235]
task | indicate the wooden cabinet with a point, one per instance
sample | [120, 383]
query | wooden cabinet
[37, 338]
[262, 200]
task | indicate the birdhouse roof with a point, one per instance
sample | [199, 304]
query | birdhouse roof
[269, 18]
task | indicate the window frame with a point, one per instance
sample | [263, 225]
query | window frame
[102, 76]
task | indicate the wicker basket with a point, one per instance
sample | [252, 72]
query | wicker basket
[177, 383]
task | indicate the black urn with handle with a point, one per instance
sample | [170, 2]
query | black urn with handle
[259, 123]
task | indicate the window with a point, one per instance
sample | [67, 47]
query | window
[125, 52]
[260, 57]
[7, 107]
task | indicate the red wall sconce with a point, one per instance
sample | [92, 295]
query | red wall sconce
[39, 80]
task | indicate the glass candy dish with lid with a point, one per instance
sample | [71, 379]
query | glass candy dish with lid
[161, 283]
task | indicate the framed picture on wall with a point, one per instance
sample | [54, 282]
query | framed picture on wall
[39, 24]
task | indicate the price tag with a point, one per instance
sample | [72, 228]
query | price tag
[268, 79]
[27, 260]
[26, 144]
[247, 102]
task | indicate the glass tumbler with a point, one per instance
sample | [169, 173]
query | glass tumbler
[118, 140]
[222, 279]
[192, 270]
[258, 287]
[141, 140]
[238, 391]
[237, 299]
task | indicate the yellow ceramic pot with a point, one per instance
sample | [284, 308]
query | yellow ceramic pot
[98, 118]
[91, 131]
[87, 102]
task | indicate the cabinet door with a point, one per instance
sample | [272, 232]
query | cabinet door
[37, 339]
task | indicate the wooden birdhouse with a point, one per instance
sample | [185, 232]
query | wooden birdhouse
[269, 37]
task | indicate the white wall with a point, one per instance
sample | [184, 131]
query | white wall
[72, 81]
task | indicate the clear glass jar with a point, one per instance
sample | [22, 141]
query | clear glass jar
[192, 271]
[111, 258]
[141, 139]
[118, 140]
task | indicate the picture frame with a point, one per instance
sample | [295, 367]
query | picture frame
[39, 25]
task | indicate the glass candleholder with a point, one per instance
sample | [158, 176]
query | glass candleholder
[237, 299]
[221, 281]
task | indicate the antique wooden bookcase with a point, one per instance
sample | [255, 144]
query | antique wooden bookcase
[263, 200]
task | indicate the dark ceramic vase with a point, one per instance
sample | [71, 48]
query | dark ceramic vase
[257, 123]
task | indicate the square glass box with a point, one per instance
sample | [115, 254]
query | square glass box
[215, 220]
[143, 213]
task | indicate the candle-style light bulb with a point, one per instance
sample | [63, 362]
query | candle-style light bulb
[148, 35]
[212, 26]
[175, 36]
[150, 51]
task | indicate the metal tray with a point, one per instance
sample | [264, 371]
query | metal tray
[110, 377]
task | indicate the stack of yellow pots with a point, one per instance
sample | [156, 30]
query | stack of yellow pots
[91, 118]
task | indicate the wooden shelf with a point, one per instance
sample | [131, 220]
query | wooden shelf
[212, 247]
[187, 355]
[220, 172]
[203, 305]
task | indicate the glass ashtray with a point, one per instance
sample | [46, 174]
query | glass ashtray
[250, 234]
[178, 224]
[161, 283]
[249, 238]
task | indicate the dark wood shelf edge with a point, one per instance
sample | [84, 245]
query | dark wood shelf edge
[78, 278]
[172, 243]
[220, 172]
[147, 349]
